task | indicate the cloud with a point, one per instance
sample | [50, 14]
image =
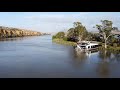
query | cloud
[58, 22]
[56, 18]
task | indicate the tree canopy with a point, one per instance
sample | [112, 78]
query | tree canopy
[78, 32]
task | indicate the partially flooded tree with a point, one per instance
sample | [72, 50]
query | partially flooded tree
[105, 30]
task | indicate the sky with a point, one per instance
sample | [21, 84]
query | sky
[56, 21]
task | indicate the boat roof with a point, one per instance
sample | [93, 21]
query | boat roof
[93, 44]
[88, 43]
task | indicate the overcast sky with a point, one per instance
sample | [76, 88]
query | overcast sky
[56, 21]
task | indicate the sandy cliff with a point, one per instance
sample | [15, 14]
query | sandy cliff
[15, 32]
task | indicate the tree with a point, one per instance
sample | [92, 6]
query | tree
[76, 24]
[80, 31]
[70, 34]
[105, 30]
[115, 28]
[93, 36]
[59, 35]
[77, 33]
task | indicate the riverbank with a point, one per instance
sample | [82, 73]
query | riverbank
[111, 48]
[8, 32]
[61, 41]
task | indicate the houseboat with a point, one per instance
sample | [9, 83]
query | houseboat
[87, 45]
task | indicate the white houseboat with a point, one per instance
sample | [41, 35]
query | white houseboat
[87, 45]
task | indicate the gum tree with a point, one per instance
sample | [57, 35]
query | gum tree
[105, 30]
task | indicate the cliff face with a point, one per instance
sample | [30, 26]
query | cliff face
[14, 32]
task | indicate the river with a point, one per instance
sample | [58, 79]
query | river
[39, 57]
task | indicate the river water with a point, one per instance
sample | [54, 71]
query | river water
[39, 57]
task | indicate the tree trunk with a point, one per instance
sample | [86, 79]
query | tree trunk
[105, 44]
[79, 38]
[105, 38]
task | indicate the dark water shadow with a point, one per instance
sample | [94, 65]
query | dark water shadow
[103, 66]
[107, 59]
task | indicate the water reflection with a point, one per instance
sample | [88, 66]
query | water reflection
[16, 38]
[79, 58]
[103, 69]
[109, 56]
[84, 55]
[102, 66]
[11, 39]
[116, 56]
[103, 55]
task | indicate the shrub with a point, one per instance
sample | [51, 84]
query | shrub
[114, 44]
[53, 37]
[59, 35]
[65, 38]
[100, 43]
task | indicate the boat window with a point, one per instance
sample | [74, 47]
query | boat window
[83, 47]
[88, 46]
[84, 44]
[96, 45]
[92, 46]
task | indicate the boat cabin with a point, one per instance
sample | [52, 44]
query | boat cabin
[88, 45]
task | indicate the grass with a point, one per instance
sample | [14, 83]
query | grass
[112, 48]
[61, 41]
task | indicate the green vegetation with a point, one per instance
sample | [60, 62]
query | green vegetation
[59, 35]
[105, 30]
[73, 35]
[61, 41]
[79, 33]
[113, 48]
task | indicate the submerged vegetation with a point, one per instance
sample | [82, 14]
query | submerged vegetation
[106, 37]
